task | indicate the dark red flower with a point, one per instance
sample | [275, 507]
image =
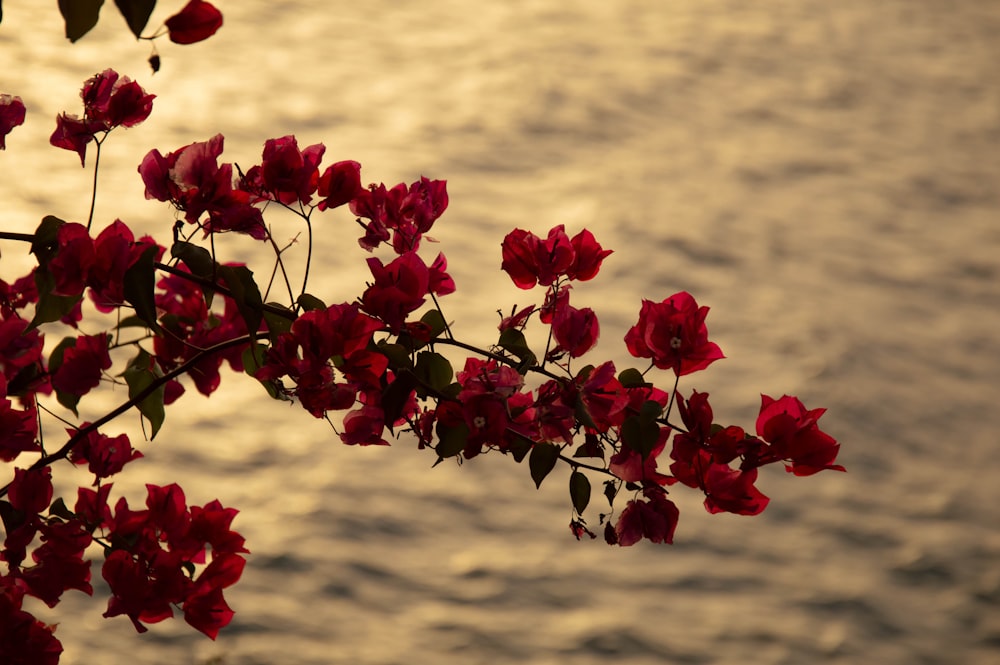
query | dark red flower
[340, 184]
[673, 334]
[408, 212]
[82, 365]
[18, 427]
[795, 436]
[105, 456]
[115, 251]
[575, 330]
[74, 134]
[286, 174]
[399, 288]
[654, 519]
[31, 490]
[71, 265]
[111, 100]
[198, 21]
[11, 115]
[529, 260]
[588, 256]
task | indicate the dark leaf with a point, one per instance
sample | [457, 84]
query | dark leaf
[140, 282]
[632, 378]
[512, 340]
[396, 395]
[136, 13]
[309, 302]
[399, 357]
[80, 16]
[141, 372]
[239, 280]
[451, 440]
[435, 322]
[433, 369]
[59, 509]
[519, 447]
[579, 491]
[277, 324]
[610, 491]
[45, 244]
[253, 359]
[50, 307]
[199, 261]
[542, 460]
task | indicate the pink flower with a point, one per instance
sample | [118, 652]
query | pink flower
[11, 115]
[673, 334]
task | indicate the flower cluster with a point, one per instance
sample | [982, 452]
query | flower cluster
[381, 359]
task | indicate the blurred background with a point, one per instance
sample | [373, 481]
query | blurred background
[824, 176]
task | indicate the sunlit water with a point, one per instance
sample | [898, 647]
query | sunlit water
[824, 175]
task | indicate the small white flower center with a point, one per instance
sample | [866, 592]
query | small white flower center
[479, 422]
[675, 343]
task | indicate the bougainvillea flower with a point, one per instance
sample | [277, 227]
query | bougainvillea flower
[575, 330]
[408, 212]
[588, 256]
[25, 638]
[364, 427]
[733, 491]
[82, 365]
[630, 466]
[286, 174]
[74, 134]
[31, 490]
[399, 288]
[74, 258]
[110, 101]
[673, 334]
[193, 181]
[198, 21]
[59, 564]
[439, 281]
[529, 260]
[654, 519]
[104, 455]
[795, 436]
[11, 115]
[115, 251]
[340, 184]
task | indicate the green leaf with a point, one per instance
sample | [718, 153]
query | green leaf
[641, 432]
[59, 509]
[451, 440]
[50, 307]
[136, 13]
[542, 460]
[610, 491]
[253, 360]
[579, 491]
[80, 16]
[435, 321]
[310, 302]
[520, 446]
[139, 374]
[277, 324]
[396, 395]
[632, 378]
[399, 357]
[140, 283]
[199, 261]
[513, 341]
[433, 370]
[239, 280]
[46, 242]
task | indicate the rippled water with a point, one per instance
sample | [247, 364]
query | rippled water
[823, 175]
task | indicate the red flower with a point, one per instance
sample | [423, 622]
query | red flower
[193, 181]
[82, 365]
[529, 260]
[673, 334]
[576, 330]
[18, 428]
[115, 251]
[795, 436]
[654, 519]
[31, 490]
[286, 174]
[110, 100]
[400, 288]
[25, 639]
[11, 115]
[73, 260]
[629, 465]
[198, 21]
[105, 456]
[340, 184]
[408, 211]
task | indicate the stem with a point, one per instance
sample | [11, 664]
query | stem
[447, 328]
[63, 452]
[309, 252]
[209, 284]
[93, 191]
